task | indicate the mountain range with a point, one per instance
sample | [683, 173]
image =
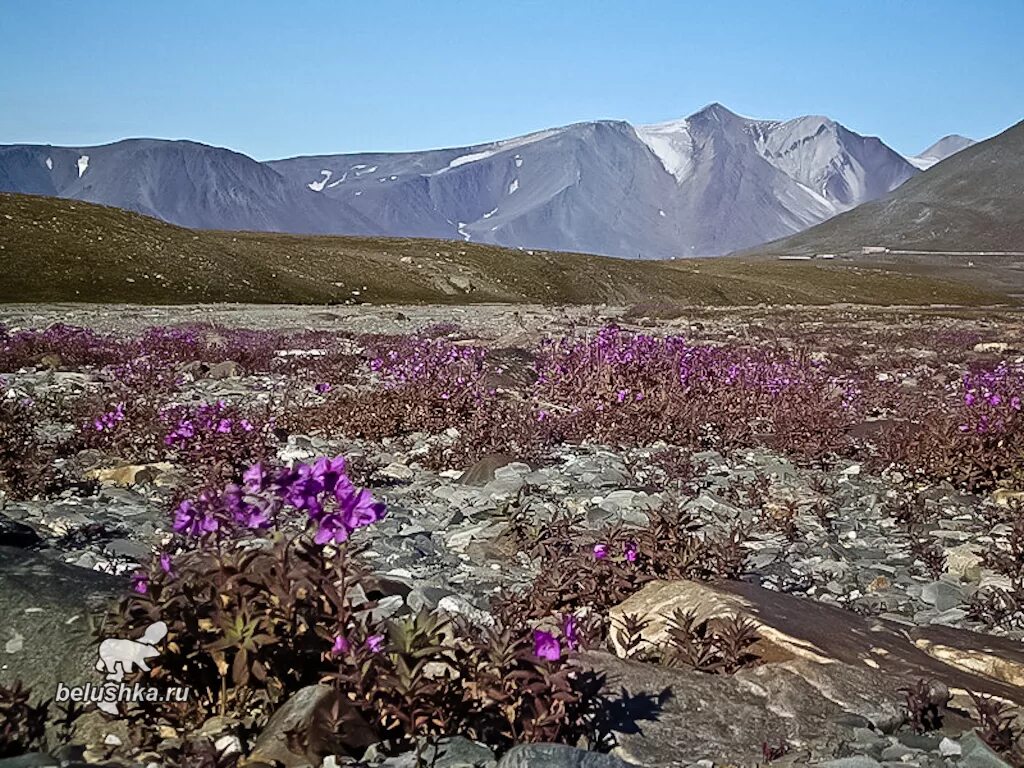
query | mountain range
[705, 185]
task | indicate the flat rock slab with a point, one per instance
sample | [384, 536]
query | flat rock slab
[798, 628]
[48, 610]
[675, 717]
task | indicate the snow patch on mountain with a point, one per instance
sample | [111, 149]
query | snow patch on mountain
[501, 146]
[672, 144]
[318, 186]
[83, 165]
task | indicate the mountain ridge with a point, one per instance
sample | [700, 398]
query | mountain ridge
[703, 185]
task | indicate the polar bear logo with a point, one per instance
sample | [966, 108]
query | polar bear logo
[122, 657]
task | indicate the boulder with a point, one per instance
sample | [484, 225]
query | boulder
[482, 473]
[226, 369]
[129, 474]
[301, 714]
[798, 628]
[15, 534]
[49, 611]
[557, 756]
[667, 717]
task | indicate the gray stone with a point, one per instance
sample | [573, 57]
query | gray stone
[57, 606]
[975, 753]
[942, 595]
[858, 761]
[299, 713]
[557, 756]
[30, 760]
[460, 752]
[16, 534]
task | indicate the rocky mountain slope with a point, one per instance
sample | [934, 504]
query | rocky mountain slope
[704, 185]
[969, 202]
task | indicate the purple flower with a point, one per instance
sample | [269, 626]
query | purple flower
[546, 646]
[251, 516]
[375, 643]
[631, 551]
[191, 521]
[255, 478]
[361, 509]
[600, 551]
[165, 563]
[322, 388]
[224, 426]
[330, 473]
[341, 645]
[140, 582]
[571, 632]
[245, 425]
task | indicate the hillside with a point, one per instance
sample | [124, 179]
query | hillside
[54, 250]
[972, 201]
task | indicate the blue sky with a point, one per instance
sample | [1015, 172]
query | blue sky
[274, 79]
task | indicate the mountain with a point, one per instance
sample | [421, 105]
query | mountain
[940, 150]
[182, 182]
[704, 185]
[971, 201]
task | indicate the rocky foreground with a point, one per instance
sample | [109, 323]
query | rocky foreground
[880, 596]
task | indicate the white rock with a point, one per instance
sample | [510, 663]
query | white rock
[949, 748]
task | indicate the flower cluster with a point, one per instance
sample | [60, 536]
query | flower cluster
[992, 398]
[413, 359]
[205, 419]
[334, 506]
[110, 419]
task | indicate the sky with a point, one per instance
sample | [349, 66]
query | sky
[277, 79]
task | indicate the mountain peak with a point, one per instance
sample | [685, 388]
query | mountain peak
[940, 150]
[716, 111]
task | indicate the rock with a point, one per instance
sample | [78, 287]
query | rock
[130, 474]
[227, 369]
[964, 563]
[997, 347]
[15, 534]
[302, 713]
[455, 605]
[942, 595]
[797, 628]
[557, 756]
[30, 760]
[397, 471]
[949, 748]
[482, 473]
[666, 717]
[858, 761]
[975, 753]
[56, 605]
[460, 752]
[1005, 497]
[995, 658]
